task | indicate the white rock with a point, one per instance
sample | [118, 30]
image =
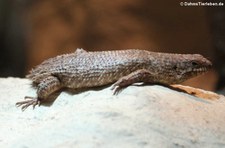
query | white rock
[140, 116]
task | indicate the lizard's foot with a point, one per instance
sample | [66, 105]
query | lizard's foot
[119, 86]
[141, 75]
[28, 102]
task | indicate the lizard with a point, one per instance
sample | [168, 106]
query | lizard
[83, 69]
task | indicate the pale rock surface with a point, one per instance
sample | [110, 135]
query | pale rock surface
[140, 116]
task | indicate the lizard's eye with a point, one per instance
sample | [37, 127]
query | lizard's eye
[194, 63]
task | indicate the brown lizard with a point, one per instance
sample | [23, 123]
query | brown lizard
[83, 69]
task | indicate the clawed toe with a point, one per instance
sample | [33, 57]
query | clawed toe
[116, 89]
[28, 102]
[120, 85]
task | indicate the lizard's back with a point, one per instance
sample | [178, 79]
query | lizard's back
[88, 69]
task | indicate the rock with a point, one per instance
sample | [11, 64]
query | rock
[140, 116]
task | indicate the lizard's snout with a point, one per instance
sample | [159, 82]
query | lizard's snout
[208, 64]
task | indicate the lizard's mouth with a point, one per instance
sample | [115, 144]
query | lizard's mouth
[202, 67]
[200, 70]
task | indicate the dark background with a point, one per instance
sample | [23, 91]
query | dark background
[32, 31]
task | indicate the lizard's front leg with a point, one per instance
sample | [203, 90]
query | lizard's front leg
[141, 75]
[45, 88]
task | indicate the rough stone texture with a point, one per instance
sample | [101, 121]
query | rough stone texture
[140, 116]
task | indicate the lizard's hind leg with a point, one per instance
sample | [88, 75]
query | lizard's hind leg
[44, 89]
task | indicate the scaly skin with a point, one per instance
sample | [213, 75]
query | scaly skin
[83, 69]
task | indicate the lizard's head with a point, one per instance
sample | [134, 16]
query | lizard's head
[190, 65]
